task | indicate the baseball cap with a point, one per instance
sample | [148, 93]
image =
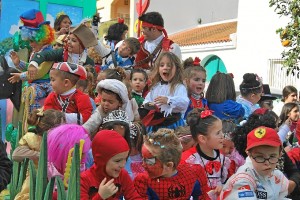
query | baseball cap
[263, 136]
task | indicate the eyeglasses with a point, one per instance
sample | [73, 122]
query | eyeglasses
[150, 161]
[261, 159]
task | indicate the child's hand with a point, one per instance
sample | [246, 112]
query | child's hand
[108, 189]
[161, 100]
[288, 122]
[218, 189]
[15, 58]
[63, 31]
[15, 78]
[32, 71]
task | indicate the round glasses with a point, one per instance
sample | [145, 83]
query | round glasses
[261, 159]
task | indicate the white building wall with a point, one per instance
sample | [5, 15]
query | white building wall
[105, 12]
[256, 41]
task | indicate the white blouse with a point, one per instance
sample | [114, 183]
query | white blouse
[178, 101]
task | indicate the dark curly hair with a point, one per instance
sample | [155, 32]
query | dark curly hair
[153, 18]
[116, 31]
[250, 84]
[239, 136]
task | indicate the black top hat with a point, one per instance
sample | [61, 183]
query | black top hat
[267, 93]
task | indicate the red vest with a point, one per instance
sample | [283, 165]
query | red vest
[146, 60]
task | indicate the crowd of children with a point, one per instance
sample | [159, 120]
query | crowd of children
[146, 126]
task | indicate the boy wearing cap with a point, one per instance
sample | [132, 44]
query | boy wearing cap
[122, 56]
[79, 39]
[65, 97]
[258, 178]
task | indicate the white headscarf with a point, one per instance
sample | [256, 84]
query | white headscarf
[120, 89]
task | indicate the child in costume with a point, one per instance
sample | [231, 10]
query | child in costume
[168, 95]
[251, 91]
[195, 78]
[288, 120]
[62, 24]
[107, 179]
[137, 130]
[289, 95]
[164, 177]
[122, 56]
[65, 97]
[116, 33]
[258, 178]
[114, 96]
[29, 144]
[40, 36]
[60, 141]
[228, 148]
[86, 86]
[117, 73]
[267, 118]
[221, 98]
[138, 80]
[80, 38]
[206, 129]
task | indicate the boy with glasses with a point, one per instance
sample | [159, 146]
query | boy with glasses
[258, 178]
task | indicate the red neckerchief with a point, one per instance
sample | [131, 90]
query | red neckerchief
[196, 103]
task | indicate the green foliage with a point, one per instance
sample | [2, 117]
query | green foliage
[18, 170]
[290, 34]
[40, 188]
[61, 193]
[49, 189]
[32, 173]
[41, 178]
[74, 182]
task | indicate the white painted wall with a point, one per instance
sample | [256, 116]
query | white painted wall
[257, 41]
[105, 12]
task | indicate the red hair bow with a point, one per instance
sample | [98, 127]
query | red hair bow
[231, 74]
[196, 61]
[210, 165]
[121, 21]
[260, 111]
[206, 113]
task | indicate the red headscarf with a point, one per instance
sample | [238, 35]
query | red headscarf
[105, 145]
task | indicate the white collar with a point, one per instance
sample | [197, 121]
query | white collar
[72, 90]
[74, 58]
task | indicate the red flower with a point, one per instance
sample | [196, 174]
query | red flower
[197, 61]
[206, 113]
[121, 21]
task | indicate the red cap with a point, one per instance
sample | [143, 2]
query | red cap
[71, 68]
[263, 136]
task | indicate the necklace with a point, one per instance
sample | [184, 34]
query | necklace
[208, 178]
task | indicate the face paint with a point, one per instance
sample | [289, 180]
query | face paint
[152, 165]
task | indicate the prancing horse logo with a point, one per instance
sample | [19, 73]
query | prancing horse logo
[260, 133]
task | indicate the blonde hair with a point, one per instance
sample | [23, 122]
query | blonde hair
[168, 145]
[178, 77]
